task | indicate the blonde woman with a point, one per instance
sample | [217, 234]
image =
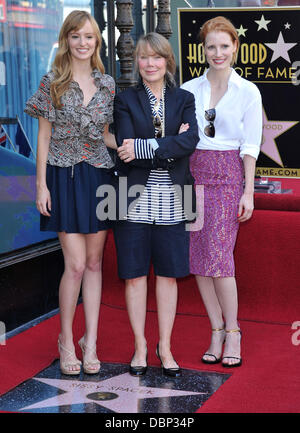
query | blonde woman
[156, 131]
[74, 106]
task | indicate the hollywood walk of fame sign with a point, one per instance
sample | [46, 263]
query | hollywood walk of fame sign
[269, 56]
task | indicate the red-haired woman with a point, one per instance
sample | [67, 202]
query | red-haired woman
[229, 115]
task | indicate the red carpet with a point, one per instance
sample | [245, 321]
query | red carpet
[268, 283]
[267, 259]
[267, 382]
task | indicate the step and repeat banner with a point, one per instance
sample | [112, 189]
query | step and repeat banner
[269, 56]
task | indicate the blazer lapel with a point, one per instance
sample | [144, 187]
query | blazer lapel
[146, 108]
[170, 108]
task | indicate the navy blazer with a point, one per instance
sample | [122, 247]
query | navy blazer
[133, 119]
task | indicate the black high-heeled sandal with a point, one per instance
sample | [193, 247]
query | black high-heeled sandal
[138, 370]
[171, 372]
[216, 360]
[236, 364]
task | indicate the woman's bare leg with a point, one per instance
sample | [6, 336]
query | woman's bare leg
[136, 301]
[73, 248]
[91, 293]
[210, 299]
[166, 298]
[226, 291]
[92, 284]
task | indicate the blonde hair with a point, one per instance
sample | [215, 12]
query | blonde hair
[62, 65]
[161, 46]
[220, 24]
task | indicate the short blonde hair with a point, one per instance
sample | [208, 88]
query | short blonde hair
[160, 45]
[220, 24]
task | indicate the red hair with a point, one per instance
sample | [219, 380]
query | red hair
[220, 24]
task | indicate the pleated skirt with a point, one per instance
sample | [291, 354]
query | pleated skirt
[211, 248]
[73, 199]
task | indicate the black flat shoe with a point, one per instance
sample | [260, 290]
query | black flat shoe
[138, 370]
[171, 372]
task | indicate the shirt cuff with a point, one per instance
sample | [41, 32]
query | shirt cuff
[249, 149]
[153, 143]
[143, 149]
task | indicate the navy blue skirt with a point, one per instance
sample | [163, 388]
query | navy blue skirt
[73, 199]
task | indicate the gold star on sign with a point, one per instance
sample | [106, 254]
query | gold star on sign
[241, 31]
[262, 23]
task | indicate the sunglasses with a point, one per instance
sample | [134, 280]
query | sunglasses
[210, 116]
[158, 126]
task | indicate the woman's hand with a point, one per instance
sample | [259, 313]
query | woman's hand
[126, 151]
[246, 207]
[183, 127]
[43, 200]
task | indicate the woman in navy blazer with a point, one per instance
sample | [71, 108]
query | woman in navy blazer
[156, 132]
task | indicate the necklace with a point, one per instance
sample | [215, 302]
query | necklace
[160, 103]
[157, 102]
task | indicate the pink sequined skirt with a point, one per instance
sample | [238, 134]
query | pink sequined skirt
[211, 248]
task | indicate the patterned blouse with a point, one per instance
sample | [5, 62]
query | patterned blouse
[76, 129]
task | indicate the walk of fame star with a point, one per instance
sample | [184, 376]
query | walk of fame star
[280, 49]
[114, 390]
[119, 393]
[271, 130]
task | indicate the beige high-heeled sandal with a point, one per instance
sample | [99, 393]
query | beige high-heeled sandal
[66, 366]
[216, 360]
[92, 366]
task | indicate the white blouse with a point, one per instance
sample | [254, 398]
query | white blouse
[238, 122]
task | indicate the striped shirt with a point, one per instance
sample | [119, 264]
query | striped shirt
[159, 202]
